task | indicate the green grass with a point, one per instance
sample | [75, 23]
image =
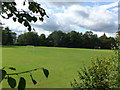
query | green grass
[62, 63]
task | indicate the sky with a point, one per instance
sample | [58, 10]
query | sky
[99, 17]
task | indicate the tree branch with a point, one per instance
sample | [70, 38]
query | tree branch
[24, 72]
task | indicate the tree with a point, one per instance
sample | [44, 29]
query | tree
[50, 40]
[118, 37]
[22, 16]
[14, 37]
[90, 40]
[57, 39]
[94, 41]
[104, 73]
[111, 42]
[25, 18]
[106, 42]
[42, 39]
[1, 28]
[74, 39]
[29, 38]
[8, 37]
[103, 40]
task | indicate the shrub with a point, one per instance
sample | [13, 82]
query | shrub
[102, 74]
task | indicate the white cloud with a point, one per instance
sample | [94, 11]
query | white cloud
[109, 5]
[73, 17]
[93, 18]
[41, 31]
[107, 34]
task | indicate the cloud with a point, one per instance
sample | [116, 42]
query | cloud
[63, 4]
[107, 34]
[112, 5]
[92, 18]
[74, 16]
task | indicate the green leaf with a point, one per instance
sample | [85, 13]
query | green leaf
[3, 17]
[3, 73]
[29, 28]
[20, 20]
[22, 84]
[34, 81]
[26, 24]
[10, 15]
[12, 68]
[34, 29]
[14, 19]
[0, 75]
[24, 3]
[29, 18]
[30, 6]
[11, 82]
[34, 19]
[46, 72]
[31, 76]
[42, 12]
[34, 9]
[47, 16]
[14, 3]
[13, 9]
[41, 19]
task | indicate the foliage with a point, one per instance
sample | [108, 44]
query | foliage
[25, 18]
[8, 37]
[91, 40]
[101, 75]
[117, 51]
[57, 38]
[74, 39]
[29, 38]
[60, 39]
[42, 40]
[106, 42]
[22, 16]
[71, 39]
[22, 81]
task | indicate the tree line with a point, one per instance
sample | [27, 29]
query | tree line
[71, 39]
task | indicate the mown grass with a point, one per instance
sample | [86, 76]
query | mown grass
[62, 63]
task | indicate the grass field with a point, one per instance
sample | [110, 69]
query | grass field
[62, 63]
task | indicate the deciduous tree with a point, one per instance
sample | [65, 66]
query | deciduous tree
[29, 38]
[8, 37]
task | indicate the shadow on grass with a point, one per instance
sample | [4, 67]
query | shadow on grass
[9, 46]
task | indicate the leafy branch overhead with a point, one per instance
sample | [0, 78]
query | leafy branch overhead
[22, 81]
[22, 16]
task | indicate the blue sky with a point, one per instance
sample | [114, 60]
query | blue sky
[99, 17]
